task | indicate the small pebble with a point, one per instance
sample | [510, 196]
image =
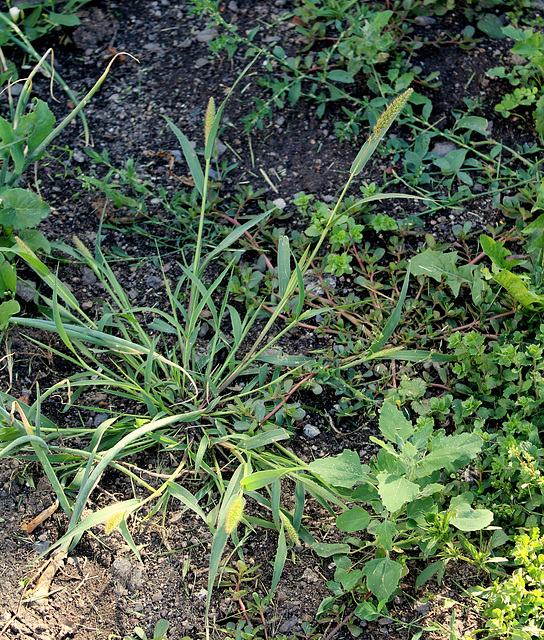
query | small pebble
[79, 156]
[424, 21]
[442, 149]
[310, 431]
[206, 35]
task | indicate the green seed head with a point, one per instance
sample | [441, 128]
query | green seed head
[210, 115]
[291, 532]
[392, 111]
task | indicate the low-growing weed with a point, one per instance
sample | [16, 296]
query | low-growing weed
[243, 401]
[527, 77]
[24, 140]
[514, 608]
[37, 19]
[159, 632]
[412, 502]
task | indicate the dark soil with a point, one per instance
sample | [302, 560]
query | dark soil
[101, 590]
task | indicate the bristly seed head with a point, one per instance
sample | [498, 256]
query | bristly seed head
[210, 115]
[291, 532]
[391, 112]
[113, 523]
[235, 513]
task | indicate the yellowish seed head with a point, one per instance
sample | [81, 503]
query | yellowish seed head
[81, 247]
[210, 116]
[235, 513]
[113, 523]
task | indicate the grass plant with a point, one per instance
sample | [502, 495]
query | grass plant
[117, 353]
[457, 477]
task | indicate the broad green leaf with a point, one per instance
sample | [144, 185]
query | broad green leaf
[326, 605]
[326, 550]
[491, 26]
[517, 289]
[367, 611]
[452, 162]
[63, 19]
[393, 424]
[437, 265]
[356, 519]
[43, 121]
[159, 632]
[343, 470]
[350, 579]
[295, 92]
[498, 539]
[396, 491]
[35, 240]
[465, 518]
[21, 209]
[8, 276]
[497, 252]
[339, 75]
[383, 530]
[7, 309]
[475, 123]
[450, 453]
[365, 492]
[382, 577]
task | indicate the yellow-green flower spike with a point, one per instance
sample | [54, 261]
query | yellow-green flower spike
[291, 532]
[234, 514]
[392, 111]
[113, 523]
[210, 116]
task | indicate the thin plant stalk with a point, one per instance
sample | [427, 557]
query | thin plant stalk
[25, 45]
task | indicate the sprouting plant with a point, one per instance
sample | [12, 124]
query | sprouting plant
[159, 632]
